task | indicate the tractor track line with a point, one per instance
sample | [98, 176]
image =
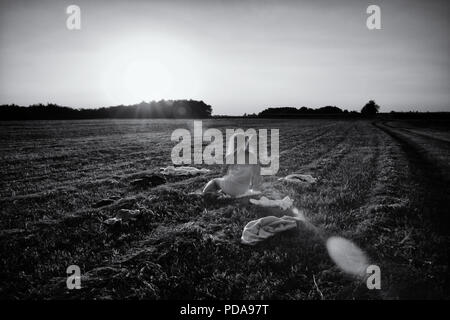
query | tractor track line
[425, 136]
[434, 186]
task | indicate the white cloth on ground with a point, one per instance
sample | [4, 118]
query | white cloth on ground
[123, 215]
[284, 203]
[299, 178]
[112, 221]
[258, 230]
[182, 171]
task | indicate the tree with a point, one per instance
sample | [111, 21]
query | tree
[184, 109]
[370, 109]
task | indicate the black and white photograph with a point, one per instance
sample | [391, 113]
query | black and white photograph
[208, 150]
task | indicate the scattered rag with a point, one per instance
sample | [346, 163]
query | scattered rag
[299, 178]
[123, 215]
[182, 171]
[284, 203]
[258, 230]
[112, 221]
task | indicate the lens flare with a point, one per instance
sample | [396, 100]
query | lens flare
[347, 256]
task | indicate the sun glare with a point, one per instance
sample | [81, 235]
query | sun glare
[138, 72]
[145, 79]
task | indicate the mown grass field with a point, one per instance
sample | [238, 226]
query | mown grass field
[382, 184]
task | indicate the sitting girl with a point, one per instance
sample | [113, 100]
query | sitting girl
[241, 179]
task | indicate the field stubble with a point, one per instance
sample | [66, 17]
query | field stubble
[372, 189]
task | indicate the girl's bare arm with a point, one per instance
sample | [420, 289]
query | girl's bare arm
[256, 177]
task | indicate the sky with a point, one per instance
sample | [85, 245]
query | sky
[238, 56]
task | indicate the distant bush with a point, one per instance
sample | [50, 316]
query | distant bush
[370, 109]
[155, 109]
[303, 111]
